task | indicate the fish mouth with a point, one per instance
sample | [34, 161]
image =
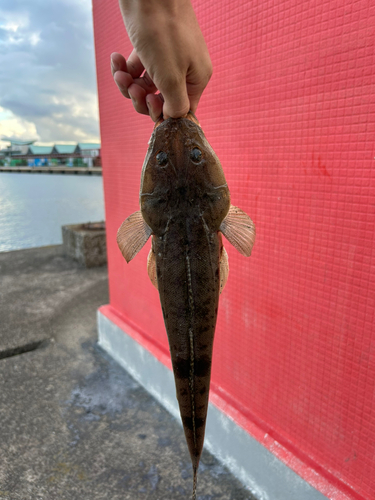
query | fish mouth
[189, 116]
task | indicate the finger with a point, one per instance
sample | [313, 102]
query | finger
[176, 101]
[194, 97]
[118, 63]
[195, 90]
[123, 81]
[155, 106]
[134, 65]
[146, 83]
[138, 97]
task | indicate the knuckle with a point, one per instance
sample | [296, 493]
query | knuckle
[171, 80]
[147, 80]
[208, 70]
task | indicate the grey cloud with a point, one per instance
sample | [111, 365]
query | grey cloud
[32, 111]
[45, 82]
[4, 35]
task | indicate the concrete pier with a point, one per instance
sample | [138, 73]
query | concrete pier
[74, 424]
[54, 170]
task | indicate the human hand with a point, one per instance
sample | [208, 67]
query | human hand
[169, 67]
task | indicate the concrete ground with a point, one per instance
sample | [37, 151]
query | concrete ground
[73, 424]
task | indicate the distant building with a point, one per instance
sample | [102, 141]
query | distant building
[65, 154]
[90, 151]
[27, 153]
[15, 151]
[64, 149]
[38, 156]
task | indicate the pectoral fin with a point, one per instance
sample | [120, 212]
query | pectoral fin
[224, 269]
[239, 230]
[132, 235]
[151, 268]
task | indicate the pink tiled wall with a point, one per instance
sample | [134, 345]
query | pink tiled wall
[290, 111]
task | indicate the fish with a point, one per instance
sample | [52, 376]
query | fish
[185, 208]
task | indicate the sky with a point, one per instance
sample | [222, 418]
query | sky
[47, 71]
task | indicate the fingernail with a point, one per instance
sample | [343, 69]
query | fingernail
[130, 95]
[114, 65]
[120, 86]
[150, 111]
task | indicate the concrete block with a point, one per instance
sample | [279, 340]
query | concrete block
[85, 243]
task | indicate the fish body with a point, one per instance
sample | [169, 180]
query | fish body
[185, 206]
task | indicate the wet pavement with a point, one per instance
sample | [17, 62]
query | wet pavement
[74, 424]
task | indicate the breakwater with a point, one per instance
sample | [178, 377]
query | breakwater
[54, 170]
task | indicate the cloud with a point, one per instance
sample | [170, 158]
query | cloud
[14, 126]
[49, 81]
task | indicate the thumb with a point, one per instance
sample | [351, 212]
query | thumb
[194, 95]
[176, 100]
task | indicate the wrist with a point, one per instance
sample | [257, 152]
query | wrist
[151, 7]
[158, 20]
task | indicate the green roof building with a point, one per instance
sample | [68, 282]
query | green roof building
[64, 149]
[84, 146]
[83, 153]
[39, 150]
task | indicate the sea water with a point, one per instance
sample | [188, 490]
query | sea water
[33, 207]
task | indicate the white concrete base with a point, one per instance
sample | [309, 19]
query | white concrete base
[257, 468]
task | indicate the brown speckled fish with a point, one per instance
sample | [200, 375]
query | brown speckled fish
[185, 206]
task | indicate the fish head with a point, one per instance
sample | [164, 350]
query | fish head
[181, 173]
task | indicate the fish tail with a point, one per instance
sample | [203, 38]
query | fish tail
[195, 470]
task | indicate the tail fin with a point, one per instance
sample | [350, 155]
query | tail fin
[195, 470]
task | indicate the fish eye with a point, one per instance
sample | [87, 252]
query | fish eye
[196, 155]
[162, 158]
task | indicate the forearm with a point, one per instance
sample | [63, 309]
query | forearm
[152, 6]
[157, 20]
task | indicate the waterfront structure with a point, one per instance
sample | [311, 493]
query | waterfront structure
[38, 156]
[290, 113]
[89, 151]
[65, 153]
[26, 153]
[15, 150]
